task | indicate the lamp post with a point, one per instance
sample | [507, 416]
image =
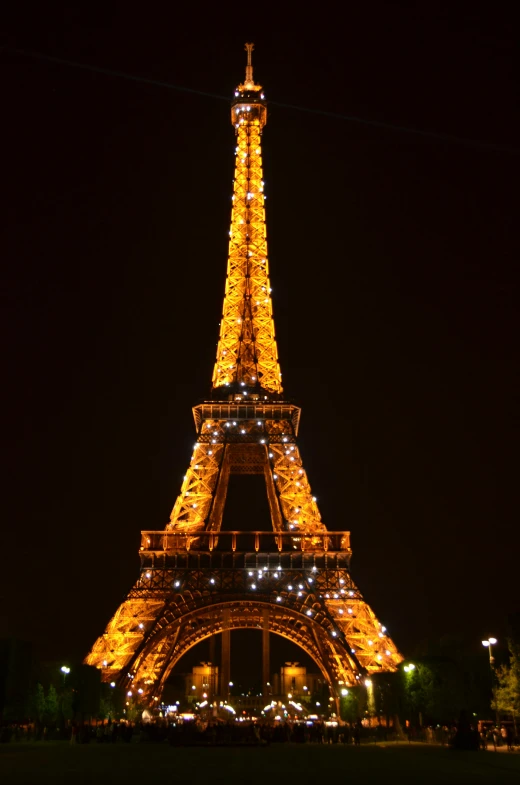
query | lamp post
[489, 645]
[410, 695]
[65, 670]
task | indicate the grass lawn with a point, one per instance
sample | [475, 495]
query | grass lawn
[57, 763]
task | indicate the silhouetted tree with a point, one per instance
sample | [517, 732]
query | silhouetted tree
[51, 706]
[38, 703]
[507, 692]
[354, 704]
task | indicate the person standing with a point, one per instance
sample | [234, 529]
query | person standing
[483, 739]
[496, 737]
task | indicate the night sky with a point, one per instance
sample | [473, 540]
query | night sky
[393, 273]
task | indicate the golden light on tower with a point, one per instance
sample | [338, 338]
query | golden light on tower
[198, 580]
[247, 351]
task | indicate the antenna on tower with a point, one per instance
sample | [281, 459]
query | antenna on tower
[249, 67]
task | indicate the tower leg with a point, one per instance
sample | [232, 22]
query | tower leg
[225, 657]
[265, 655]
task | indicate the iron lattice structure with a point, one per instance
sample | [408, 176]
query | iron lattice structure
[197, 579]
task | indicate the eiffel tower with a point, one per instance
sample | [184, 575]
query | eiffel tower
[198, 580]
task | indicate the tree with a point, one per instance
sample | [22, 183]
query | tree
[432, 691]
[51, 706]
[353, 704]
[112, 702]
[39, 702]
[67, 704]
[135, 709]
[507, 692]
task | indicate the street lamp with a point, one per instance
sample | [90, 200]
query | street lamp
[489, 645]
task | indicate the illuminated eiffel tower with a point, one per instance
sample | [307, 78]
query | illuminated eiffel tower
[198, 580]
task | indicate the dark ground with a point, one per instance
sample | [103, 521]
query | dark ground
[35, 764]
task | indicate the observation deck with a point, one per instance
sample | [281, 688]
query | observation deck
[249, 105]
[239, 549]
[250, 407]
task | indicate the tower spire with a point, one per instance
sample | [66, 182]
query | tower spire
[249, 67]
[249, 82]
[247, 355]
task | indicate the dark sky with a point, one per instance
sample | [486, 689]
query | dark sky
[392, 260]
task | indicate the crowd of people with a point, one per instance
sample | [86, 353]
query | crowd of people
[220, 733]
[76, 733]
[194, 733]
[498, 736]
